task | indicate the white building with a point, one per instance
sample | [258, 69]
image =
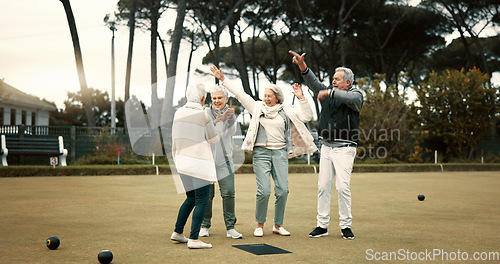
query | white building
[19, 108]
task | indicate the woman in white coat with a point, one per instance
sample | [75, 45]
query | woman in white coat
[275, 134]
[192, 133]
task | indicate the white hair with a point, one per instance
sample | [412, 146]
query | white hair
[218, 88]
[348, 74]
[195, 93]
[277, 92]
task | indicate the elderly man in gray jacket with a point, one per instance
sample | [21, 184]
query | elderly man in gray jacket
[338, 127]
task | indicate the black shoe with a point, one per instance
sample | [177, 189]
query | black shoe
[347, 233]
[319, 232]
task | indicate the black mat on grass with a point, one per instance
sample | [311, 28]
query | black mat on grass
[261, 249]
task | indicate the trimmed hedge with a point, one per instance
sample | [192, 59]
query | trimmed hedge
[83, 170]
[102, 170]
[426, 167]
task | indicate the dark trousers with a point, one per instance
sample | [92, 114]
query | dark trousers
[197, 194]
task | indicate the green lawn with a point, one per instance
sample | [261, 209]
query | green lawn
[133, 216]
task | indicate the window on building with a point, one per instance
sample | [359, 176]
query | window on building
[1, 116]
[23, 117]
[33, 118]
[12, 116]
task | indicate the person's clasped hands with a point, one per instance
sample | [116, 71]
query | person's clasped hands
[222, 117]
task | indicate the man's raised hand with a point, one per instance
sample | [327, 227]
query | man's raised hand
[299, 60]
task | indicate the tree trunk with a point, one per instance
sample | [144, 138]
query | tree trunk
[154, 31]
[340, 20]
[254, 69]
[193, 48]
[164, 52]
[240, 64]
[167, 114]
[86, 100]
[155, 105]
[131, 25]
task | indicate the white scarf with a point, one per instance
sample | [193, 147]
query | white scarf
[271, 111]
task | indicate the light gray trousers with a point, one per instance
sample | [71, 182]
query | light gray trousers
[269, 163]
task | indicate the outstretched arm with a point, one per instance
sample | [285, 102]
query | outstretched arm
[246, 100]
[304, 112]
[299, 60]
[311, 80]
[217, 73]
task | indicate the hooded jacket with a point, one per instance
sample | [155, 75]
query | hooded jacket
[192, 133]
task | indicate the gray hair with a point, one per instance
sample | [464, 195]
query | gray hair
[195, 93]
[277, 92]
[218, 88]
[348, 74]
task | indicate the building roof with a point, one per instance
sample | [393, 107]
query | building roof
[12, 96]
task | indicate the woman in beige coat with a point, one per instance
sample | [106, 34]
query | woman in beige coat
[275, 134]
[192, 133]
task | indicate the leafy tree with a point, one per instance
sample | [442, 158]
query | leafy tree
[79, 64]
[470, 18]
[393, 38]
[4, 96]
[167, 112]
[212, 17]
[74, 113]
[263, 57]
[453, 107]
[454, 57]
[194, 37]
[264, 16]
[127, 12]
[383, 120]
[147, 15]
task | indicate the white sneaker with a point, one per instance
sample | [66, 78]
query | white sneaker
[198, 244]
[234, 234]
[178, 238]
[258, 232]
[281, 231]
[204, 232]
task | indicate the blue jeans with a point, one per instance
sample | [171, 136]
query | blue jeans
[197, 198]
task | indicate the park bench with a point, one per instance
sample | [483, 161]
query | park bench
[33, 147]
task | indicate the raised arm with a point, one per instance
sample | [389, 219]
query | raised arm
[353, 98]
[299, 60]
[245, 99]
[311, 80]
[304, 112]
